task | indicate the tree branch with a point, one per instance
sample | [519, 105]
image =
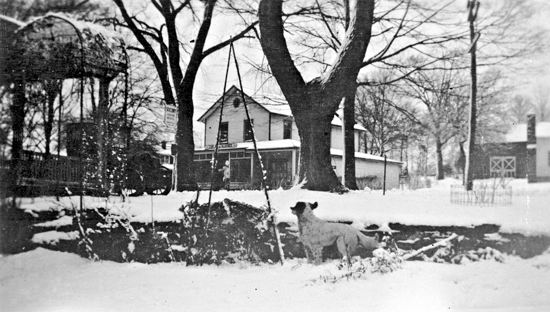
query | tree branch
[276, 50]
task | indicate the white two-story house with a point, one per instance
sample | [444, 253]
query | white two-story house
[278, 143]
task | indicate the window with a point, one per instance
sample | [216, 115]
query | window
[166, 159]
[236, 102]
[224, 133]
[240, 170]
[287, 129]
[248, 130]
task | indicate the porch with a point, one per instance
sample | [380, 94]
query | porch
[280, 165]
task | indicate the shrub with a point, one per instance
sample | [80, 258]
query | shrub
[372, 182]
[228, 231]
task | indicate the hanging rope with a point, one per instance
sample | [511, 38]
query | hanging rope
[257, 152]
[215, 155]
[264, 172]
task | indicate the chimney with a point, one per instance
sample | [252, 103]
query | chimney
[531, 129]
[531, 149]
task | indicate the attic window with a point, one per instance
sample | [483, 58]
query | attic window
[236, 102]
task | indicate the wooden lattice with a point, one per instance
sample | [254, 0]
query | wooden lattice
[503, 166]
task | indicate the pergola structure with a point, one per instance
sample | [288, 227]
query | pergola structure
[56, 47]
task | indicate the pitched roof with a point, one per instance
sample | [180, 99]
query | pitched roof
[274, 109]
[278, 109]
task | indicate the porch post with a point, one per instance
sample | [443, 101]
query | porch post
[293, 164]
[251, 167]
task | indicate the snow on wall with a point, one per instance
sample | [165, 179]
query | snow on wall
[365, 168]
[543, 156]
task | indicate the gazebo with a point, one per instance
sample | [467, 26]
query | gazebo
[56, 47]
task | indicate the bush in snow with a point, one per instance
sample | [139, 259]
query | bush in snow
[229, 231]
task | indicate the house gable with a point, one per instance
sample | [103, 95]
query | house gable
[268, 120]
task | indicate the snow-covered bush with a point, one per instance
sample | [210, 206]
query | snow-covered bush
[229, 231]
[360, 268]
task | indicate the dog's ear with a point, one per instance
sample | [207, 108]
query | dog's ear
[314, 205]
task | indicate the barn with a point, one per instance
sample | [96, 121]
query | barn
[523, 153]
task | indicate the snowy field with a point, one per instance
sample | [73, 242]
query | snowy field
[529, 213]
[44, 280]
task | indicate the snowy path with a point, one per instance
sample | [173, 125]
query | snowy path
[43, 280]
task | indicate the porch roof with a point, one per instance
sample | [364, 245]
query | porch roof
[262, 145]
[359, 155]
[292, 144]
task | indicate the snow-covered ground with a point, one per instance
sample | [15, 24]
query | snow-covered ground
[529, 213]
[44, 280]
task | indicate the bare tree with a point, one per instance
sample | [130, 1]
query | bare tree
[519, 107]
[400, 27]
[314, 103]
[163, 44]
[541, 103]
[441, 94]
[390, 119]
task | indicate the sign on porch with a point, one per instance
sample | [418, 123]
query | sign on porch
[171, 116]
[228, 145]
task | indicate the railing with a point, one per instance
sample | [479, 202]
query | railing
[485, 195]
[36, 168]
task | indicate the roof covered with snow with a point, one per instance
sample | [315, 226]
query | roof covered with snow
[518, 133]
[337, 152]
[57, 46]
[11, 20]
[291, 144]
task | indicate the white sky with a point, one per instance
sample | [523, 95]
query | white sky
[209, 83]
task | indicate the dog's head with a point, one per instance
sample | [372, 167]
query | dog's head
[302, 207]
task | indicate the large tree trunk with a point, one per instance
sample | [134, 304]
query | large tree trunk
[439, 152]
[472, 120]
[314, 104]
[185, 145]
[349, 140]
[185, 167]
[461, 161]
[315, 159]
[18, 123]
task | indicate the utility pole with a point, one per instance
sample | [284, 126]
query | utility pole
[473, 7]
